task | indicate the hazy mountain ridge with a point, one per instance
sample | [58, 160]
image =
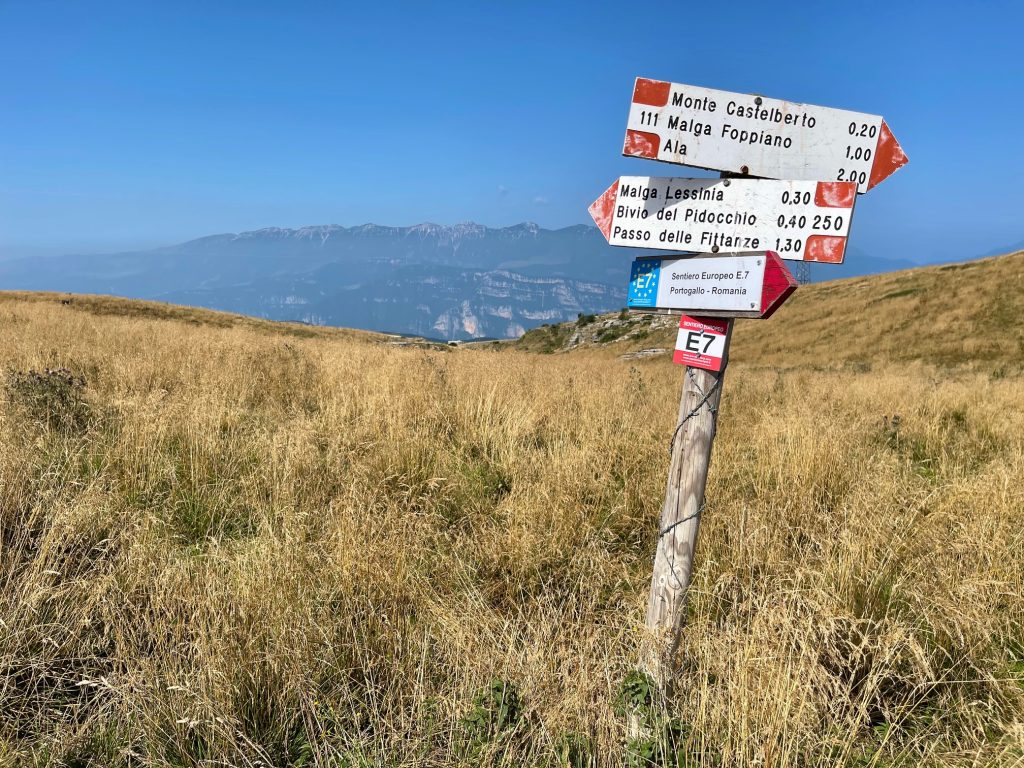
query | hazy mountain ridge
[455, 282]
[1012, 248]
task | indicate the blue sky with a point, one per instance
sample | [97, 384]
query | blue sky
[145, 123]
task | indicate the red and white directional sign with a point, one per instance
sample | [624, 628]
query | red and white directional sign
[749, 285]
[700, 342]
[756, 136]
[801, 220]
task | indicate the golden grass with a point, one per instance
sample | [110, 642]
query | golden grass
[277, 550]
[966, 315]
[157, 310]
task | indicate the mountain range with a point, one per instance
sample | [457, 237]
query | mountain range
[451, 282]
[1012, 248]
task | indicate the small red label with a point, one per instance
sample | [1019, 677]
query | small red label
[835, 194]
[601, 210]
[825, 248]
[653, 93]
[640, 144]
[889, 157]
[700, 342]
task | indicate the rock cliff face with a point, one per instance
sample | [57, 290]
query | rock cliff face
[460, 282]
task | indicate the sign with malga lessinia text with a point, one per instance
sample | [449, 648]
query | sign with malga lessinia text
[801, 220]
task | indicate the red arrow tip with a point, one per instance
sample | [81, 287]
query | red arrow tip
[778, 284]
[602, 209]
[889, 157]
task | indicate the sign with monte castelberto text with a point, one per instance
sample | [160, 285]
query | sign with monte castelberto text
[801, 220]
[700, 342]
[748, 285]
[756, 136]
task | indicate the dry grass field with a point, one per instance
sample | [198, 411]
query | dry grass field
[228, 542]
[966, 315]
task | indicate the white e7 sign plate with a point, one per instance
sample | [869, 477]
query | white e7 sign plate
[700, 342]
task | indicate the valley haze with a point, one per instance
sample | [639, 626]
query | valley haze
[455, 282]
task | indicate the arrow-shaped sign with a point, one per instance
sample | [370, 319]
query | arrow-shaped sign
[801, 220]
[747, 285]
[755, 136]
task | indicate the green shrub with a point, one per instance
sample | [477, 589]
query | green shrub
[636, 695]
[496, 710]
[575, 751]
[661, 739]
[611, 334]
[53, 399]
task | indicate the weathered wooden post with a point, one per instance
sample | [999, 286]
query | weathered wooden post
[680, 514]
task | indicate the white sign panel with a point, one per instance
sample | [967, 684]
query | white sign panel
[719, 284]
[743, 285]
[755, 136]
[801, 220]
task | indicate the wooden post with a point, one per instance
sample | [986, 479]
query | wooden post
[680, 515]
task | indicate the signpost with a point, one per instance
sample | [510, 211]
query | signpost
[807, 164]
[803, 220]
[749, 285]
[755, 136]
